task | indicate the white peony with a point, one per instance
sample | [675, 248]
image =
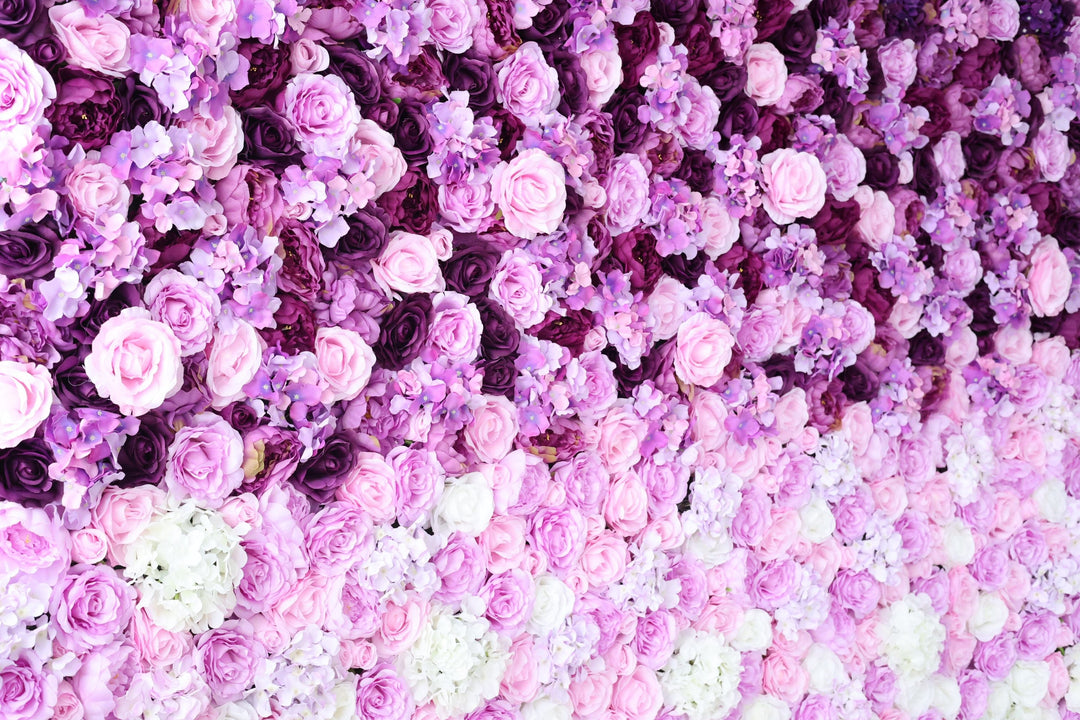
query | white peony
[913, 637]
[186, 565]
[701, 679]
[456, 663]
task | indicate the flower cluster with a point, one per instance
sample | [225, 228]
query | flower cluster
[537, 360]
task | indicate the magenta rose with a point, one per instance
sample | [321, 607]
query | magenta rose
[322, 111]
[509, 600]
[90, 607]
[337, 537]
[459, 565]
[206, 460]
[558, 533]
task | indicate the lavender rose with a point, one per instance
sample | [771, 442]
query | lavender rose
[90, 607]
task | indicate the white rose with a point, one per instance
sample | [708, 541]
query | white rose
[946, 696]
[958, 542]
[467, 505]
[1029, 681]
[552, 604]
[991, 614]
[1051, 500]
[998, 702]
[754, 633]
[818, 522]
[544, 708]
[766, 707]
[825, 669]
[915, 697]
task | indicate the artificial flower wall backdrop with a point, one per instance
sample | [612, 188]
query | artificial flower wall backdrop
[579, 359]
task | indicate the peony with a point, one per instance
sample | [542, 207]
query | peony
[135, 362]
[530, 191]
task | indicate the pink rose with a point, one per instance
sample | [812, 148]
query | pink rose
[526, 85]
[626, 508]
[88, 545]
[157, 646]
[345, 363]
[530, 190]
[702, 350]
[719, 229]
[135, 362]
[217, 142]
[949, 157]
[766, 73]
[667, 307]
[188, 306]
[455, 331]
[90, 607]
[370, 486]
[627, 187]
[603, 73]
[322, 111]
[96, 43]
[1003, 20]
[604, 560]
[898, 64]
[794, 185]
[401, 625]
[209, 17]
[759, 332]
[845, 168]
[520, 683]
[383, 163]
[638, 695]
[493, 429]
[205, 461]
[68, 706]
[698, 129]
[27, 90]
[783, 676]
[235, 357]
[98, 195]
[408, 264]
[518, 286]
[508, 597]
[708, 411]
[28, 398]
[452, 23]
[654, 639]
[621, 433]
[1049, 279]
[503, 543]
[228, 658]
[123, 513]
[591, 692]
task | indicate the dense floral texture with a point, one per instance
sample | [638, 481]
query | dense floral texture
[539, 360]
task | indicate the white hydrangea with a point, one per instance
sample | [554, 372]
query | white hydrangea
[969, 456]
[913, 637]
[835, 472]
[400, 559]
[306, 680]
[715, 496]
[187, 564]
[456, 663]
[1072, 662]
[701, 679]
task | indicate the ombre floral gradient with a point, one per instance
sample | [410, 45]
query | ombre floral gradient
[539, 360]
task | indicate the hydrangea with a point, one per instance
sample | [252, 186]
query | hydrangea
[701, 680]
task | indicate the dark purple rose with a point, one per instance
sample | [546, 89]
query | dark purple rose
[268, 139]
[835, 222]
[933, 100]
[143, 455]
[650, 368]
[500, 17]
[241, 416]
[927, 178]
[321, 476]
[638, 42]
[727, 81]
[746, 266]
[359, 72]
[86, 327]
[470, 269]
[697, 170]
[674, 12]
[87, 109]
[774, 130]
[926, 350]
[549, 28]
[906, 18]
[627, 129]
[28, 251]
[980, 65]
[783, 367]
[797, 39]
[635, 253]
[981, 153]
[836, 104]
[500, 336]
[572, 83]
[141, 105]
[772, 16]
[822, 10]
[24, 474]
[48, 51]
[74, 388]
[1067, 230]
[366, 237]
[413, 205]
[423, 75]
[704, 51]
[296, 325]
[383, 113]
[866, 291]
[683, 269]
[475, 76]
[174, 246]
[500, 376]
[303, 264]
[738, 116]
[511, 130]
[882, 168]
[19, 17]
[270, 68]
[568, 330]
[411, 132]
[403, 331]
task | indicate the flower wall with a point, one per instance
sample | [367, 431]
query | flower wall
[492, 360]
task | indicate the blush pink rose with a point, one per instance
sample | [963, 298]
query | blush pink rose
[217, 142]
[627, 189]
[530, 191]
[322, 111]
[702, 350]
[719, 229]
[626, 508]
[188, 306]
[503, 543]
[603, 73]
[98, 195]
[123, 513]
[28, 398]
[452, 23]
[766, 74]
[408, 264]
[455, 331]
[135, 362]
[795, 185]
[898, 65]
[345, 362]
[604, 560]
[96, 43]
[27, 89]
[88, 545]
[493, 429]
[638, 695]
[621, 433]
[1049, 279]
[845, 168]
[521, 681]
[401, 625]
[519, 287]
[235, 357]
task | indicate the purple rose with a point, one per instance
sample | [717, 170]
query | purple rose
[321, 476]
[550, 28]
[936, 587]
[144, 454]
[336, 537]
[558, 533]
[990, 567]
[460, 567]
[470, 269]
[796, 41]
[24, 474]
[1038, 635]
[704, 50]
[497, 709]
[228, 658]
[188, 306]
[75, 389]
[420, 479]
[403, 331]
[500, 376]
[206, 461]
[268, 139]
[360, 73]
[303, 265]
[635, 253]
[410, 132]
[509, 600]
[1028, 547]
[974, 694]
[27, 690]
[628, 131]
[356, 614]
[271, 569]
[772, 584]
[996, 657]
[475, 76]
[500, 336]
[295, 326]
[693, 587]
[413, 205]
[751, 518]
[654, 639]
[815, 707]
[585, 481]
[856, 591]
[880, 686]
[90, 607]
[382, 695]
[365, 238]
